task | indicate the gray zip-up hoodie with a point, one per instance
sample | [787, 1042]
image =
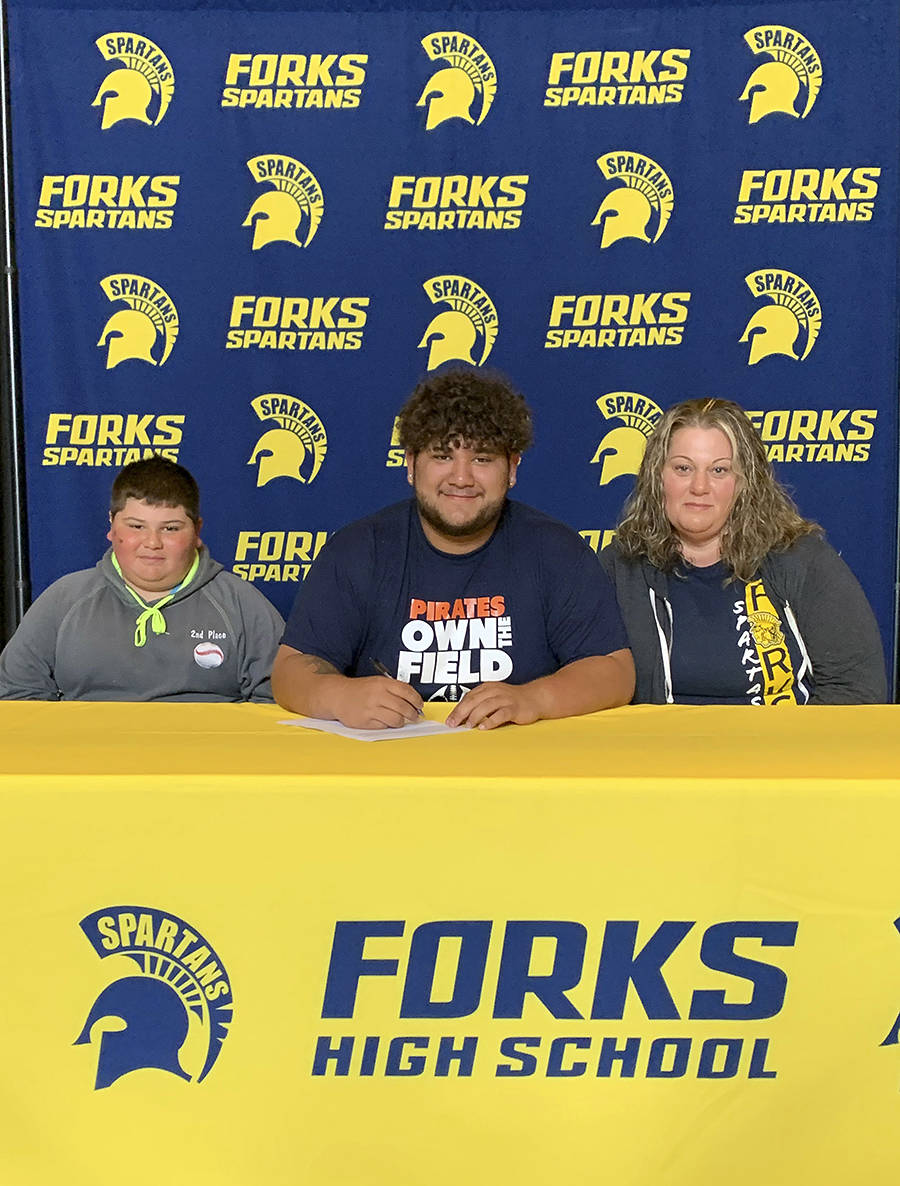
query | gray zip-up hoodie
[77, 642]
[816, 595]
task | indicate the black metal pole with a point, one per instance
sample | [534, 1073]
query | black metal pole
[15, 591]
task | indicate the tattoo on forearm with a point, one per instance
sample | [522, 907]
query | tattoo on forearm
[319, 666]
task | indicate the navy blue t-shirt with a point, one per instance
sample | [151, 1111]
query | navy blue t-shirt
[529, 601]
[726, 652]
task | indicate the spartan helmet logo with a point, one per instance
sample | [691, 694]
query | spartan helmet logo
[771, 330]
[450, 335]
[449, 94]
[453, 334]
[644, 193]
[766, 629]
[145, 80]
[123, 94]
[156, 1026]
[275, 217]
[775, 85]
[166, 1007]
[128, 334]
[623, 214]
[794, 310]
[452, 90]
[280, 454]
[622, 449]
[296, 195]
[133, 332]
[298, 443]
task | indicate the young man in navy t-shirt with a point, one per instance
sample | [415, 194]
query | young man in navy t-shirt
[458, 594]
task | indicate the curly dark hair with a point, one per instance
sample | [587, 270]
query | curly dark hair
[158, 481]
[480, 409]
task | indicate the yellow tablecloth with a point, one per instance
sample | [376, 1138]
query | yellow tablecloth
[476, 898]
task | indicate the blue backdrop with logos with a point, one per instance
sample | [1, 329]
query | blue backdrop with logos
[245, 232]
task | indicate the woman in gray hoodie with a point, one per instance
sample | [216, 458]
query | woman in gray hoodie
[728, 594]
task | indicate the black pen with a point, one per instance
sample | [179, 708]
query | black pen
[382, 670]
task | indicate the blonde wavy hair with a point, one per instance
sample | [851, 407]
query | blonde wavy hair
[763, 518]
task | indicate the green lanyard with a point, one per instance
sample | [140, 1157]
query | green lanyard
[153, 613]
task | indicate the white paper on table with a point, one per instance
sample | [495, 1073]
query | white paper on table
[421, 728]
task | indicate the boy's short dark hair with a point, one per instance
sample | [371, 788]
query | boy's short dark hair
[158, 481]
[480, 409]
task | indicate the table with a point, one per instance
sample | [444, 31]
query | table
[653, 945]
